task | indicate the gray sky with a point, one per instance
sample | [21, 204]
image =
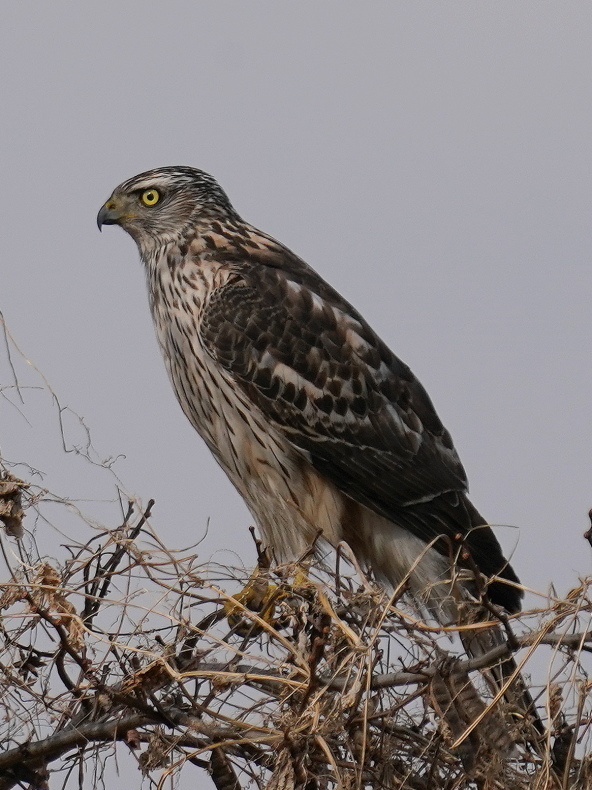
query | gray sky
[431, 160]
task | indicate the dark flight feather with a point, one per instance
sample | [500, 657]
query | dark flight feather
[323, 378]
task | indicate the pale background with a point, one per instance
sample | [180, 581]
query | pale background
[432, 160]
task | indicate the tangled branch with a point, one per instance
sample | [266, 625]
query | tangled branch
[301, 680]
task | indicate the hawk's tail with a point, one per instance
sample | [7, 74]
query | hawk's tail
[504, 676]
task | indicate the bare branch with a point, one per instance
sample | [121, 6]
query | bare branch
[304, 679]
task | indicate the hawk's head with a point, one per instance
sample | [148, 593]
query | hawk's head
[160, 204]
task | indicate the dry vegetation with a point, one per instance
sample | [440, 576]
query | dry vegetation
[116, 649]
[307, 679]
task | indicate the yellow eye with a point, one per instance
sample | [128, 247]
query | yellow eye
[150, 197]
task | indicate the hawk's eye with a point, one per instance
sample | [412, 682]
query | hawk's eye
[150, 197]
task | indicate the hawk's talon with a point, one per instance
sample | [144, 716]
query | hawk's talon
[258, 596]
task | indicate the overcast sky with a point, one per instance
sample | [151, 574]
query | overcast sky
[431, 160]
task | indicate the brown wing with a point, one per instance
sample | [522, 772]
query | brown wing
[325, 380]
[322, 377]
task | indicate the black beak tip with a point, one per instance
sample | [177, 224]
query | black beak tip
[104, 217]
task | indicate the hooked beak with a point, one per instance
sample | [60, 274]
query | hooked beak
[110, 214]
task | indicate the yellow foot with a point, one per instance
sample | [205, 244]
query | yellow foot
[258, 596]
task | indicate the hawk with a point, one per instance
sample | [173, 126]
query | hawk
[318, 425]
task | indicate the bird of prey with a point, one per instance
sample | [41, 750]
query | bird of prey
[317, 423]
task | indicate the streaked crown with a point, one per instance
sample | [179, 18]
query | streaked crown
[164, 202]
